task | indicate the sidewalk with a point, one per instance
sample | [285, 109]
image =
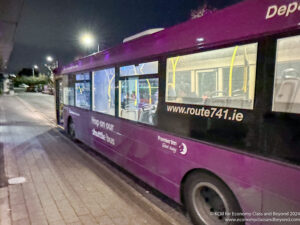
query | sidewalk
[63, 185]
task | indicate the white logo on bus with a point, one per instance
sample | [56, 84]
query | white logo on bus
[182, 149]
[284, 10]
[172, 145]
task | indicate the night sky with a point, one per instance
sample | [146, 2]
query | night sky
[52, 27]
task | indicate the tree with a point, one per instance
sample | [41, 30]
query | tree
[1, 63]
[31, 81]
[28, 72]
[202, 10]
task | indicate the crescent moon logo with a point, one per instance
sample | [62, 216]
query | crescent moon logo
[182, 149]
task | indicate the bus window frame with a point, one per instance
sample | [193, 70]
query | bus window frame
[83, 81]
[116, 68]
[139, 62]
[275, 38]
[68, 75]
[214, 48]
[117, 79]
[139, 77]
[278, 37]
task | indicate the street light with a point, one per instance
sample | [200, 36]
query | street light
[51, 62]
[35, 67]
[49, 59]
[88, 40]
[51, 65]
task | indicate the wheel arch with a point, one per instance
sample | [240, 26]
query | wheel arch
[205, 171]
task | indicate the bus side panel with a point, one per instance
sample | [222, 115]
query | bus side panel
[123, 146]
[80, 118]
[65, 117]
[259, 184]
[158, 158]
[162, 160]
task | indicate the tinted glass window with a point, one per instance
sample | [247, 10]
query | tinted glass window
[224, 77]
[82, 95]
[140, 69]
[84, 76]
[68, 90]
[83, 91]
[104, 91]
[286, 95]
[138, 99]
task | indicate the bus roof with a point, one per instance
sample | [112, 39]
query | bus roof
[245, 20]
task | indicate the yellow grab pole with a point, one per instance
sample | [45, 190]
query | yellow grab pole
[149, 85]
[109, 88]
[231, 71]
[174, 65]
[136, 83]
[245, 72]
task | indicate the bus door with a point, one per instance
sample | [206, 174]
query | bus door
[59, 101]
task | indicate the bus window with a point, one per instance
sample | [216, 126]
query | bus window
[140, 69]
[138, 99]
[82, 77]
[224, 77]
[82, 91]
[286, 94]
[68, 90]
[104, 91]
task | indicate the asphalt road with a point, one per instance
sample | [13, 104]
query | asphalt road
[41, 102]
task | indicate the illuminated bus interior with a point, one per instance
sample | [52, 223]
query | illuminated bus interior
[224, 77]
[138, 96]
[286, 97]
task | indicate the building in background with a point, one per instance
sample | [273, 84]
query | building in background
[10, 13]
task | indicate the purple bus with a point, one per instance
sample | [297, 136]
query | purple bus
[207, 112]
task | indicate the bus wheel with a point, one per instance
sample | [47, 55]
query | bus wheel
[71, 129]
[209, 201]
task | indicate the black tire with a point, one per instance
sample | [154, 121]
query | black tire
[71, 129]
[209, 201]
